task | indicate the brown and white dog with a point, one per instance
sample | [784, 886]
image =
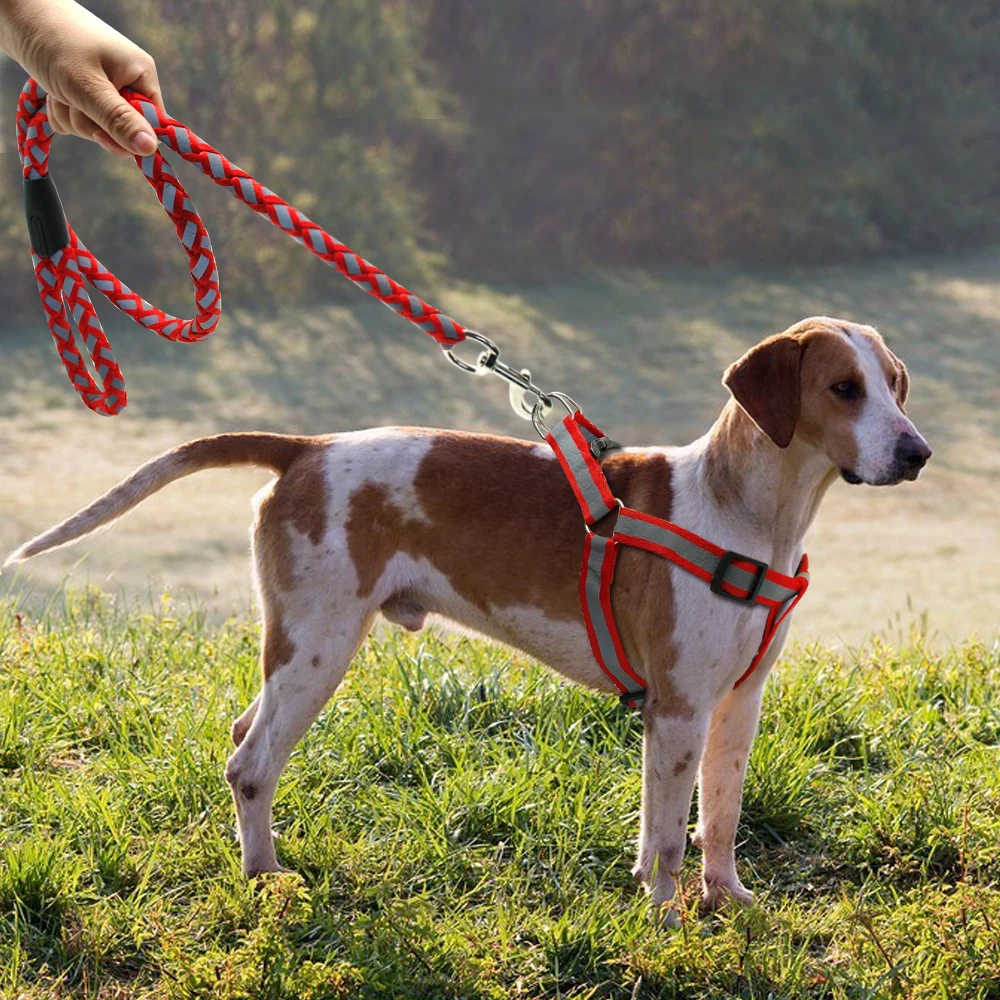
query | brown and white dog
[391, 521]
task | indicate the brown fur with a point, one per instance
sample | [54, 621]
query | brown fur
[895, 371]
[270, 451]
[729, 454]
[765, 382]
[297, 503]
[782, 383]
[824, 418]
[516, 546]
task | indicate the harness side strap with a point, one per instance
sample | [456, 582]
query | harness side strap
[575, 440]
[776, 615]
[596, 577]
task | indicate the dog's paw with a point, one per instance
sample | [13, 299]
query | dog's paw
[669, 917]
[256, 871]
[716, 895]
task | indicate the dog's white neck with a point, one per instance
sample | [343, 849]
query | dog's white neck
[773, 491]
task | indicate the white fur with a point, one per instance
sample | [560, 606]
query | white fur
[881, 422]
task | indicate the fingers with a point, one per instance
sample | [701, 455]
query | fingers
[107, 110]
[58, 116]
[107, 143]
[69, 121]
[83, 63]
[147, 83]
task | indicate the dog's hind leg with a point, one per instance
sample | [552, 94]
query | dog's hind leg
[301, 672]
[720, 791]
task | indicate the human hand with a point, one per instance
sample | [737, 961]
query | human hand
[82, 63]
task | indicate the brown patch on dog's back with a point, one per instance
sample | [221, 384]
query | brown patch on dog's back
[500, 521]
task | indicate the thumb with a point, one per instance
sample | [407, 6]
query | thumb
[118, 118]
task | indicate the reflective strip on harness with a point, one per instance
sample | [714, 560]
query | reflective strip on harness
[740, 576]
[778, 613]
[701, 557]
[570, 440]
[595, 595]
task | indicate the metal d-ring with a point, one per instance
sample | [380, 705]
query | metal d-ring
[536, 412]
[518, 395]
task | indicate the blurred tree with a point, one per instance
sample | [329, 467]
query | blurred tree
[322, 101]
[760, 131]
[523, 139]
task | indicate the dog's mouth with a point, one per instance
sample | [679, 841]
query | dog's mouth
[850, 476]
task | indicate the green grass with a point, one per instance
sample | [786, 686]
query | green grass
[463, 826]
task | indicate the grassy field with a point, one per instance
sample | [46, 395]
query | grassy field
[463, 826]
[643, 353]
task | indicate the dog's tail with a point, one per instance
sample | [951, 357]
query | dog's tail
[272, 451]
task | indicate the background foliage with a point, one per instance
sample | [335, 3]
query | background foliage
[524, 140]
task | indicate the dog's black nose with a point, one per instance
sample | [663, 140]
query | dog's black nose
[912, 451]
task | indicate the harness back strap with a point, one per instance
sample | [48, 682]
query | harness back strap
[572, 441]
[578, 445]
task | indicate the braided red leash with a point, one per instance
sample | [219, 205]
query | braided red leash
[60, 270]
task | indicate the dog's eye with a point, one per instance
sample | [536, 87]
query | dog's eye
[848, 389]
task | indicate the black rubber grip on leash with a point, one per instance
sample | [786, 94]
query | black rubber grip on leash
[47, 226]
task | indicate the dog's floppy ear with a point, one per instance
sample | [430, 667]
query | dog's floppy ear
[902, 381]
[765, 382]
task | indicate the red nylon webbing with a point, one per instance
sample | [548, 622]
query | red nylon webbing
[590, 485]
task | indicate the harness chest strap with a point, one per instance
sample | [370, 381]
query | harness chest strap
[578, 445]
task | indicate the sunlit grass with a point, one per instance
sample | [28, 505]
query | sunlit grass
[463, 826]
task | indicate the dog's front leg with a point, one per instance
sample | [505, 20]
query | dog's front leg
[720, 790]
[671, 748]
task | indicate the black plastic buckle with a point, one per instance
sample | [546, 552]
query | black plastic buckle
[637, 696]
[602, 444]
[47, 226]
[720, 573]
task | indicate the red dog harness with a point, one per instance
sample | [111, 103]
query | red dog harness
[578, 445]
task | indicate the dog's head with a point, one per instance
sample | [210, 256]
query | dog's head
[836, 387]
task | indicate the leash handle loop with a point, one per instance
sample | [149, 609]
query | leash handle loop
[60, 270]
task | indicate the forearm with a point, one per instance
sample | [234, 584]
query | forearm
[20, 20]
